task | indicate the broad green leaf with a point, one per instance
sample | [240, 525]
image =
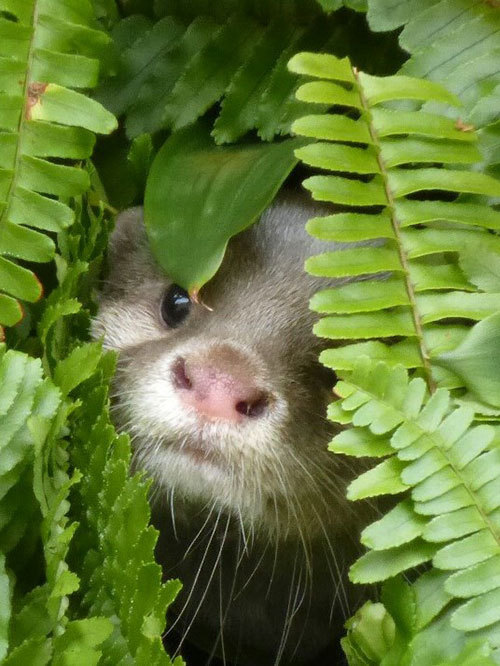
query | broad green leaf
[476, 360]
[198, 195]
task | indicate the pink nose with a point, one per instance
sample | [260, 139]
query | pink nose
[217, 392]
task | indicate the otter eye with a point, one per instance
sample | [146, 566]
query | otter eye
[175, 306]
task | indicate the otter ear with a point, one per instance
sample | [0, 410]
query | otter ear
[128, 236]
[129, 258]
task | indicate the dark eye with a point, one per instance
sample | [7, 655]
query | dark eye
[175, 306]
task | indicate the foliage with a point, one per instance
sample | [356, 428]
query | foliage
[451, 514]
[170, 72]
[199, 195]
[42, 117]
[417, 193]
[419, 270]
[99, 564]
[413, 285]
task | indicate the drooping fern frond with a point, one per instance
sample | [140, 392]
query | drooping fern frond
[95, 596]
[47, 47]
[35, 485]
[450, 471]
[112, 551]
[412, 286]
[449, 41]
[171, 72]
[22, 396]
[454, 42]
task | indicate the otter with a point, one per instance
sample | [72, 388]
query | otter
[226, 409]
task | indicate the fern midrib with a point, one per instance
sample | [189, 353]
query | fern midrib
[438, 445]
[20, 128]
[403, 258]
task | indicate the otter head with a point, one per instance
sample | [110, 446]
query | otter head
[226, 406]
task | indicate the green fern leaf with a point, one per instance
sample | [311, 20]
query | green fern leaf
[451, 468]
[461, 51]
[426, 284]
[42, 119]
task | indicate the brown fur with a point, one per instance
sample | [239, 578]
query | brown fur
[261, 538]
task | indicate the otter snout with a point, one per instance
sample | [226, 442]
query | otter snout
[220, 384]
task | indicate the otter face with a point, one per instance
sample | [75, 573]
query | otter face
[226, 406]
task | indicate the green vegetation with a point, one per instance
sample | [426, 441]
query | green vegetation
[397, 117]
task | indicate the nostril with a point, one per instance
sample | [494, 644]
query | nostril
[180, 376]
[254, 408]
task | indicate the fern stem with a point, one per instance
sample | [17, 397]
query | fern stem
[424, 352]
[4, 216]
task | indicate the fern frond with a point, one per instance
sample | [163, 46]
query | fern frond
[34, 476]
[112, 552]
[451, 469]
[461, 51]
[46, 48]
[412, 282]
[160, 65]
[116, 544]
[21, 391]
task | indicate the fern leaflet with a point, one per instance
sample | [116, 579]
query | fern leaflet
[413, 286]
[41, 118]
